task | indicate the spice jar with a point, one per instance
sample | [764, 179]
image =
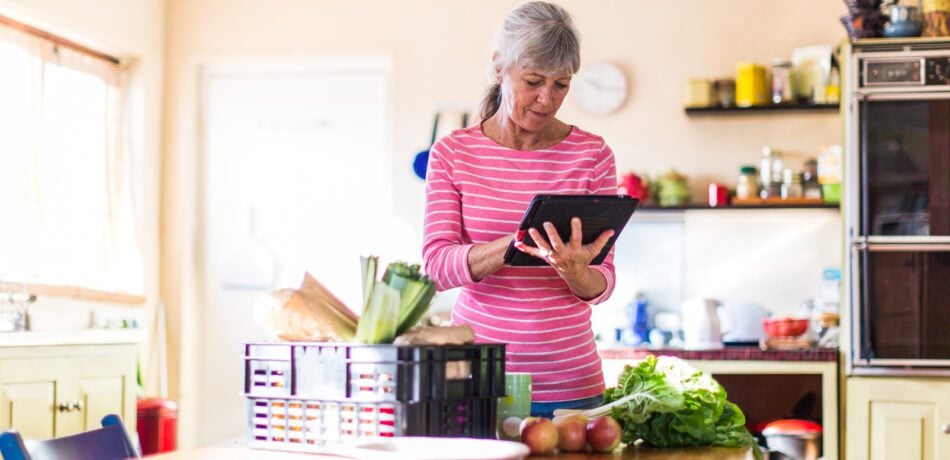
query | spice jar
[725, 90]
[747, 186]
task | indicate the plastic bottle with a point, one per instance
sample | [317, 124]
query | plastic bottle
[641, 328]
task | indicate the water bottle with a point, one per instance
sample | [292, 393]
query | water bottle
[641, 329]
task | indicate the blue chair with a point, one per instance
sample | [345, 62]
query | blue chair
[111, 442]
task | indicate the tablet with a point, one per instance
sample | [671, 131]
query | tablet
[598, 213]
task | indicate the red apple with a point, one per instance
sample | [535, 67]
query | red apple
[603, 434]
[571, 433]
[539, 434]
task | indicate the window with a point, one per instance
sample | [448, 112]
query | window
[68, 225]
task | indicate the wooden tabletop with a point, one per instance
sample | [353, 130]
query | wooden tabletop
[679, 453]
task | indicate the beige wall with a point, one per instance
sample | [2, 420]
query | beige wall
[439, 51]
[134, 32]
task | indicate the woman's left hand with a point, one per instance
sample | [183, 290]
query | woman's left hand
[570, 258]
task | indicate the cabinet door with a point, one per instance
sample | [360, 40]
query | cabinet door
[28, 392]
[898, 418]
[100, 397]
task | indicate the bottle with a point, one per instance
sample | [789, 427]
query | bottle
[747, 186]
[770, 173]
[810, 186]
[791, 185]
[641, 329]
[833, 90]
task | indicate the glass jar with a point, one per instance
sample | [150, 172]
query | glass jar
[747, 186]
[782, 81]
[791, 185]
[725, 90]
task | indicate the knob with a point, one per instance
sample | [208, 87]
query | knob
[945, 428]
[64, 407]
[76, 405]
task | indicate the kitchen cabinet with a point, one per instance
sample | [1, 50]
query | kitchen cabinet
[57, 390]
[906, 418]
[760, 378]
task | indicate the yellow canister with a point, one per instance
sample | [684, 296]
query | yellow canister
[750, 85]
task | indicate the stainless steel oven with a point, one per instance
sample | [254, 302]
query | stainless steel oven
[897, 207]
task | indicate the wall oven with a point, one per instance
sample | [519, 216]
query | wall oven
[897, 207]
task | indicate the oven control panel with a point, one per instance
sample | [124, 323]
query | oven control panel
[915, 71]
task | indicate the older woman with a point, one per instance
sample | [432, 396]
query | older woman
[479, 183]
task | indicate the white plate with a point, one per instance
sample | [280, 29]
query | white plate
[425, 448]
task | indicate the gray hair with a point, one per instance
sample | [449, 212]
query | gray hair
[537, 35]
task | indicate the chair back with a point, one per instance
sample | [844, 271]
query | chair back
[111, 442]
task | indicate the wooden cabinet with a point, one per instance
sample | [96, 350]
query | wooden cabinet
[898, 418]
[767, 384]
[53, 391]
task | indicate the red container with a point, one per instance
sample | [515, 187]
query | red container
[718, 195]
[157, 425]
[784, 327]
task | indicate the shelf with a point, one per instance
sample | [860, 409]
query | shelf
[764, 108]
[654, 207]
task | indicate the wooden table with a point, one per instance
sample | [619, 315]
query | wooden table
[688, 453]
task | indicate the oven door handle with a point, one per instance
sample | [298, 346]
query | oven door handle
[908, 247]
[916, 95]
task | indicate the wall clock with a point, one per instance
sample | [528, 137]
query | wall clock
[600, 88]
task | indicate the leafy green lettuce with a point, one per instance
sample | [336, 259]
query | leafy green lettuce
[666, 402]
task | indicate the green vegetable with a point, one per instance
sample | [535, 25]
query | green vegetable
[390, 312]
[666, 402]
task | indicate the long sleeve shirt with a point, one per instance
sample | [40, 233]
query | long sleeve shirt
[476, 192]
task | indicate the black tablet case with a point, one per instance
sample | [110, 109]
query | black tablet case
[598, 213]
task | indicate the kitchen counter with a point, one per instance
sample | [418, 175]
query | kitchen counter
[73, 337]
[684, 453]
[726, 354]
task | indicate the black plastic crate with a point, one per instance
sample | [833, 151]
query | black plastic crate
[374, 373]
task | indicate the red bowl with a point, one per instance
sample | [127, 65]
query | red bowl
[784, 327]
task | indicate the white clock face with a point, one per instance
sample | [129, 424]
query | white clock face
[599, 88]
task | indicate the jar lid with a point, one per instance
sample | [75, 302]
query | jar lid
[747, 169]
[791, 427]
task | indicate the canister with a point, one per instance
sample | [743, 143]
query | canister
[751, 88]
[698, 93]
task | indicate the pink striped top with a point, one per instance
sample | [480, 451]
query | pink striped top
[476, 192]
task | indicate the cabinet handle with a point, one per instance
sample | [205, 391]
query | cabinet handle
[64, 407]
[945, 428]
[76, 405]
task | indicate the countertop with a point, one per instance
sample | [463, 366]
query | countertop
[682, 453]
[73, 337]
[726, 354]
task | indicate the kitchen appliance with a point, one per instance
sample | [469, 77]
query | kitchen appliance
[701, 330]
[897, 207]
[741, 323]
[793, 439]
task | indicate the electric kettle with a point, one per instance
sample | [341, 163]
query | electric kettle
[701, 330]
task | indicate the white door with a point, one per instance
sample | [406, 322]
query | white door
[296, 172]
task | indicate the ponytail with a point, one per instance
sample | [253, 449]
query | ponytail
[491, 102]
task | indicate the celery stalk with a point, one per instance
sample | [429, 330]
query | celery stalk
[378, 323]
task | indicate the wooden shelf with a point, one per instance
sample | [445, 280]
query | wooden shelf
[770, 205]
[764, 108]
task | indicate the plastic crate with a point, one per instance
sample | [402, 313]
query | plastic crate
[303, 394]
